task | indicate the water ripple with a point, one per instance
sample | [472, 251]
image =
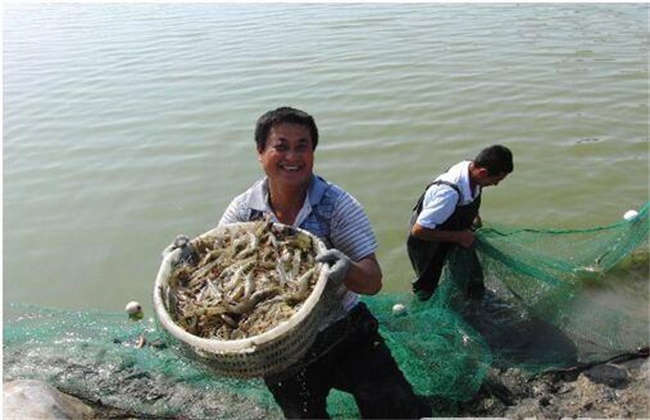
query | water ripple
[127, 123]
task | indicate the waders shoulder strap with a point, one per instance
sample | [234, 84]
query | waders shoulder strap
[418, 206]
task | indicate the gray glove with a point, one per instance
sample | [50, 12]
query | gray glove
[339, 264]
[187, 251]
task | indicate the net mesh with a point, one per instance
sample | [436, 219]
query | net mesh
[554, 299]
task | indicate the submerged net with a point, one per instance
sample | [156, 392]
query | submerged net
[554, 299]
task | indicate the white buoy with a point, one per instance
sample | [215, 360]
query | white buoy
[630, 215]
[399, 309]
[134, 309]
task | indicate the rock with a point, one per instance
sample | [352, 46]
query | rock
[607, 390]
[608, 374]
[30, 399]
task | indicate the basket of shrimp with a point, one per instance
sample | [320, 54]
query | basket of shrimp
[247, 302]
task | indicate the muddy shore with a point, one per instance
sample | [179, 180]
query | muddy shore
[618, 388]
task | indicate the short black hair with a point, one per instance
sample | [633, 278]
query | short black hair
[497, 159]
[284, 115]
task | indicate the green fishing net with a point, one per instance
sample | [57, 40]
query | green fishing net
[554, 299]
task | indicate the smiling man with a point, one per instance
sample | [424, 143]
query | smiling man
[348, 354]
[447, 212]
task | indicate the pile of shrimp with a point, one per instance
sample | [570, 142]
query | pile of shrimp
[244, 282]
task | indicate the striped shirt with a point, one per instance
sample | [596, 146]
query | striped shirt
[330, 213]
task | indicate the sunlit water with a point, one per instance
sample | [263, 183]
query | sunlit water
[125, 124]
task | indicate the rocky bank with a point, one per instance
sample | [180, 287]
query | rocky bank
[619, 388]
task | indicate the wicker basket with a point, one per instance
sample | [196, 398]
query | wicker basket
[265, 354]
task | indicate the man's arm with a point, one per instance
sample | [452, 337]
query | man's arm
[463, 238]
[364, 276]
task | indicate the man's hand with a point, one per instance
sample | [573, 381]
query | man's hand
[465, 238]
[477, 223]
[187, 251]
[339, 264]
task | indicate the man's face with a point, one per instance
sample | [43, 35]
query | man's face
[288, 156]
[486, 180]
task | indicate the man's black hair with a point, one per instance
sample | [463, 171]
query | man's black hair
[497, 159]
[284, 115]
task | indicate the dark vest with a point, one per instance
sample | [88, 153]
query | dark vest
[427, 257]
[319, 220]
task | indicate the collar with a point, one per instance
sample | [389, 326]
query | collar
[473, 193]
[459, 175]
[259, 196]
